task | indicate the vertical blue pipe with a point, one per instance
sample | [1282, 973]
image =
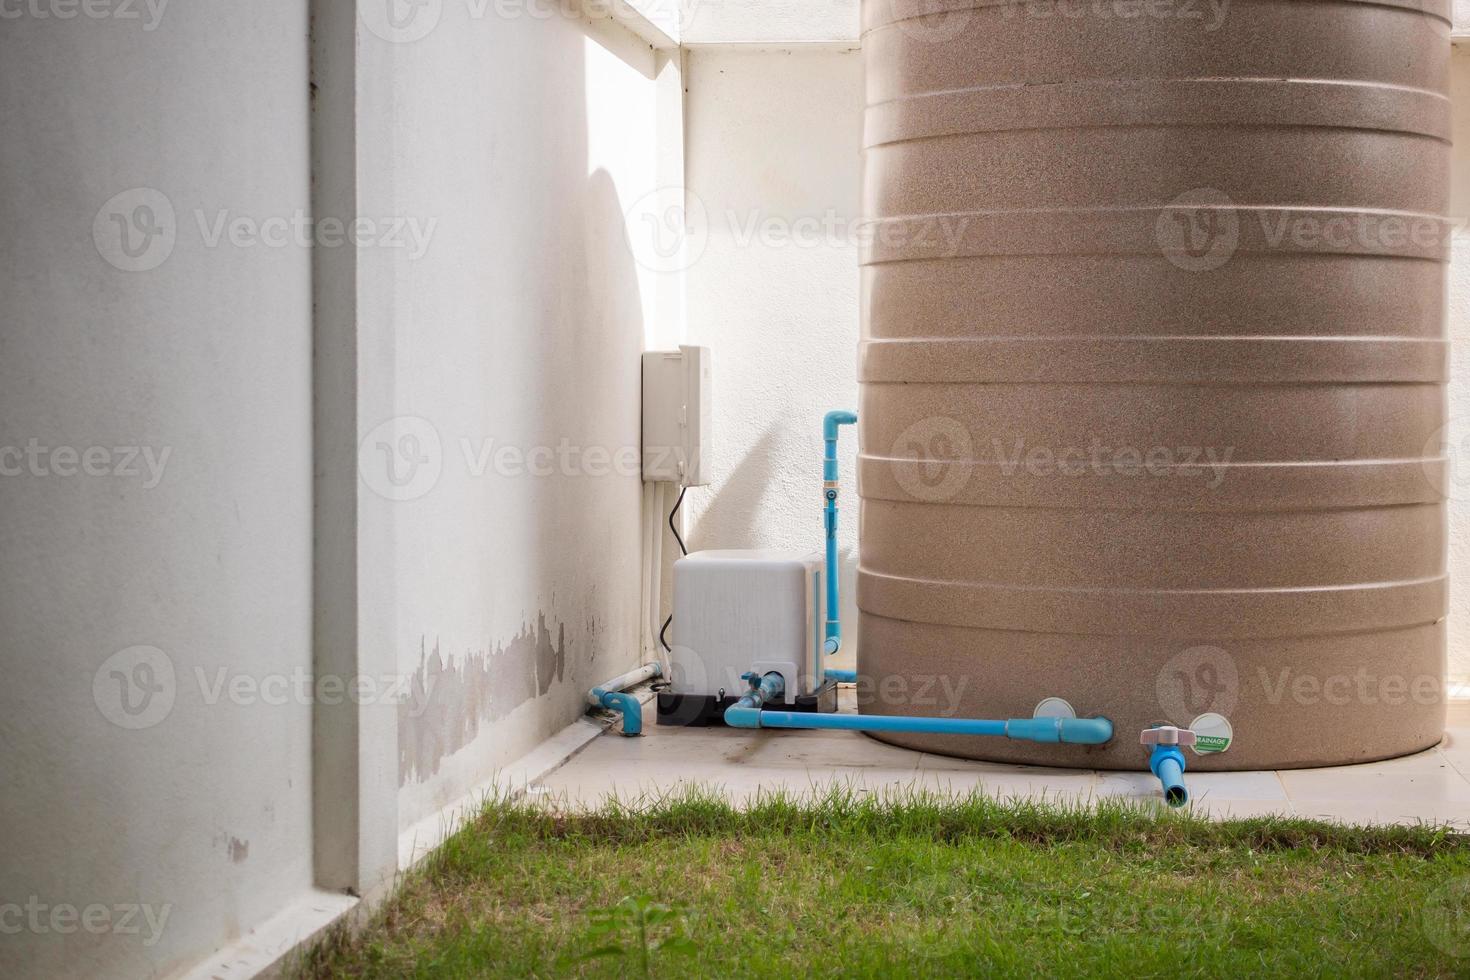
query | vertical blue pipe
[1167, 763]
[830, 427]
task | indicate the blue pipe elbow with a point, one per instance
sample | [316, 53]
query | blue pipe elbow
[738, 716]
[628, 706]
[835, 419]
[1168, 763]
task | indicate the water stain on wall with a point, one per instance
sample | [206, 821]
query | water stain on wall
[448, 703]
[238, 850]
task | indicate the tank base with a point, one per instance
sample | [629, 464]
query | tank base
[1298, 703]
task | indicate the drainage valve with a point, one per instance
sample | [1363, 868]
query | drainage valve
[1167, 760]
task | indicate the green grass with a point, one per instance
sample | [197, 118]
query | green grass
[917, 886]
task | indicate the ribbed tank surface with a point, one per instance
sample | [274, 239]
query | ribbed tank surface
[1153, 371]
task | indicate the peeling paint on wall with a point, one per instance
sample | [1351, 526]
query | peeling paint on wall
[448, 703]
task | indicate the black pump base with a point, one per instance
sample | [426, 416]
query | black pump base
[705, 710]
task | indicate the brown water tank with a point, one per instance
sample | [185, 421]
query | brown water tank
[1153, 371]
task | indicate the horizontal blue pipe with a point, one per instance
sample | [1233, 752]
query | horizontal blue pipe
[842, 676]
[1072, 731]
[1167, 763]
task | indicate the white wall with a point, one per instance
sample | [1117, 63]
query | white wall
[773, 163]
[202, 812]
[495, 303]
[520, 328]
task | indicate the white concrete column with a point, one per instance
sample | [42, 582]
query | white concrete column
[156, 496]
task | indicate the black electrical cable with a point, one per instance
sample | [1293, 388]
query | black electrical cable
[663, 633]
[675, 513]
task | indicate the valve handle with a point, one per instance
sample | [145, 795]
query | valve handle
[1167, 735]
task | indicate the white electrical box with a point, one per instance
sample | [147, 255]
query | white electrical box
[677, 417]
[737, 612]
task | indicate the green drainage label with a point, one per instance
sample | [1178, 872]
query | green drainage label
[1212, 734]
[1207, 744]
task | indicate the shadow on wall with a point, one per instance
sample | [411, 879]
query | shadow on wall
[735, 500]
[562, 303]
[739, 504]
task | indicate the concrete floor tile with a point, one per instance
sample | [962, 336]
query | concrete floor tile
[1039, 785]
[1429, 787]
[1430, 781]
[837, 749]
[1223, 808]
[1218, 785]
[1385, 812]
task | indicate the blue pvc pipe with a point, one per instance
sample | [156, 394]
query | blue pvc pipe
[1072, 731]
[763, 690]
[610, 695]
[842, 676]
[1167, 763]
[630, 708]
[831, 426]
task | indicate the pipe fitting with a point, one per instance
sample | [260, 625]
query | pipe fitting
[1061, 731]
[746, 713]
[629, 707]
[1167, 760]
[833, 421]
[610, 695]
